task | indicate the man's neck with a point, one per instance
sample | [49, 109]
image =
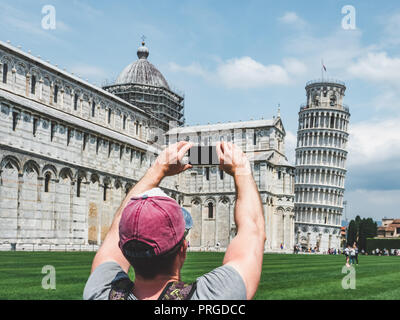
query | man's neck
[151, 289]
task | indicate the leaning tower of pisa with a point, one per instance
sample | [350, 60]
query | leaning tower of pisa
[320, 165]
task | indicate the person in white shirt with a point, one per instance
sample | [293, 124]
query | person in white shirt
[352, 255]
[347, 254]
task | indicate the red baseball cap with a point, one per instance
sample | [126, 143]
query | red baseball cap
[155, 222]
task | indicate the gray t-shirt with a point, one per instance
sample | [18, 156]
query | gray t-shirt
[223, 283]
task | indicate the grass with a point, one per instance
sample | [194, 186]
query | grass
[284, 276]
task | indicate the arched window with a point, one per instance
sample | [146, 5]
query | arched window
[35, 125]
[33, 84]
[78, 187]
[76, 97]
[105, 192]
[109, 116]
[207, 173]
[5, 71]
[93, 109]
[47, 182]
[55, 93]
[15, 120]
[52, 130]
[332, 101]
[210, 210]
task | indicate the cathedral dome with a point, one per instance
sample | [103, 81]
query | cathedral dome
[142, 71]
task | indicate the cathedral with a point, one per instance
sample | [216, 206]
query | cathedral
[70, 151]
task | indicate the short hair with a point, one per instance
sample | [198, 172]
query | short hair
[148, 267]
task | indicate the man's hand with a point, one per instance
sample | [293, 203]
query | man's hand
[169, 162]
[232, 160]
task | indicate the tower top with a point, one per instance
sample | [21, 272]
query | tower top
[325, 93]
[325, 82]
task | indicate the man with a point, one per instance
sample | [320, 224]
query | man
[148, 232]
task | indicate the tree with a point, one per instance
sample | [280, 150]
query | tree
[351, 233]
[368, 229]
[359, 230]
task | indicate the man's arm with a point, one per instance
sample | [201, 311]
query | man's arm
[246, 250]
[167, 164]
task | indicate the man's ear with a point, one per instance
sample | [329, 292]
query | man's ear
[184, 247]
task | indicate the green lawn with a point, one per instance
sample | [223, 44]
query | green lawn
[283, 277]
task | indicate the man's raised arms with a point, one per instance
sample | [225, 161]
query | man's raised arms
[168, 163]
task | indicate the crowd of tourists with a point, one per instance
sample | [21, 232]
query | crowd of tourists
[386, 252]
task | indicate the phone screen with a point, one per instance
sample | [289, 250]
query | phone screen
[203, 156]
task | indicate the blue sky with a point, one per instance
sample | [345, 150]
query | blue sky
[237, 60]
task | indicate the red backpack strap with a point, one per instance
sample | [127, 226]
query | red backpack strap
[178, 290]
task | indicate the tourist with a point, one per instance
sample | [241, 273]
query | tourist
[148, 233]
[352, 255]
[347, 255]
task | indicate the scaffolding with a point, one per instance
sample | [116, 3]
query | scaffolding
[161, 104]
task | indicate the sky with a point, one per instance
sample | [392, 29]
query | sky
[237, 60]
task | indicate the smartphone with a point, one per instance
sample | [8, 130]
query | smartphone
[203, 156]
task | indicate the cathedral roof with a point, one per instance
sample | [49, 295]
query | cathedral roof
[142, 71]
[224, 126]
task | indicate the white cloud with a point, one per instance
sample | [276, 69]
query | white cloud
[245, 72]
[291, 18]
[338, 50]
[373, 142]
[377, 67]
[294, 66]
[391, 29]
